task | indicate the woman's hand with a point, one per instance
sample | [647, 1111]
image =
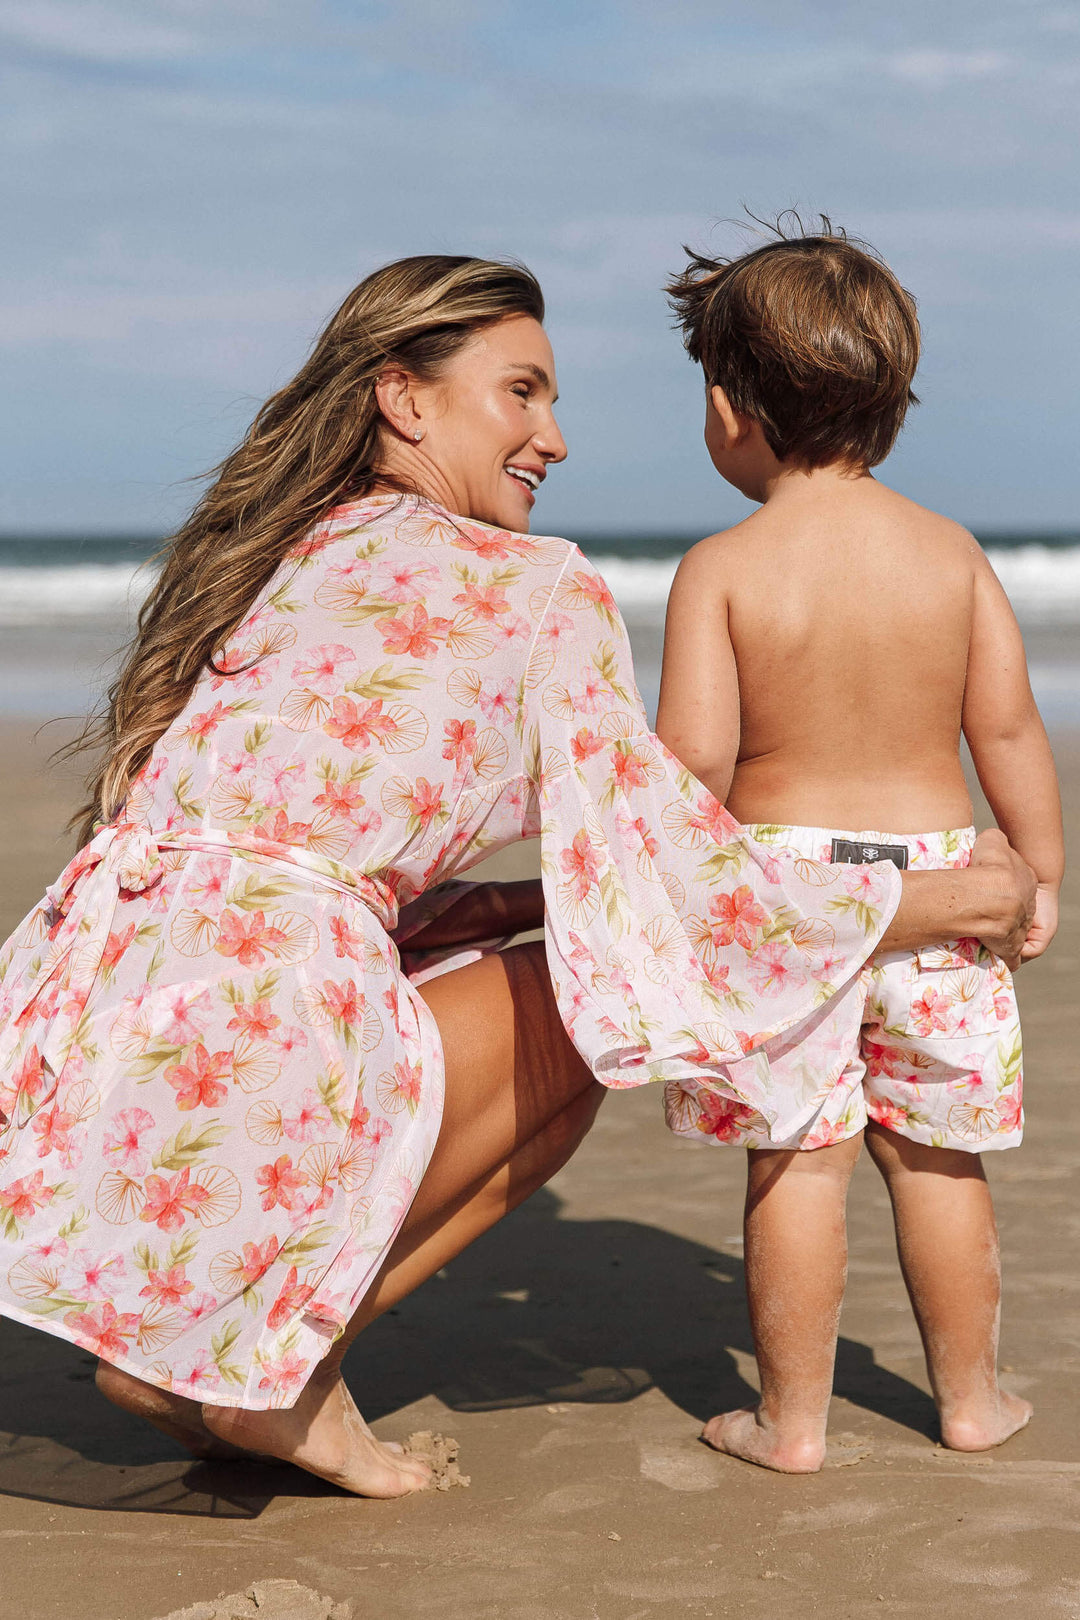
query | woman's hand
[1011, 895]
[992, 900]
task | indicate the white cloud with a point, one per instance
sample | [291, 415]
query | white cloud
[95, 32]
[936, 68]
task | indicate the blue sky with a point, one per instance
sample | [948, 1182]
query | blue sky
[190, 186]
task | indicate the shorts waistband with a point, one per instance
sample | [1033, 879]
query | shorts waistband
[948, 848]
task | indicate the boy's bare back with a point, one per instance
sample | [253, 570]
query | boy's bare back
[849, 612]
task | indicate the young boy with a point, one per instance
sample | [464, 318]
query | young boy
[821, 659]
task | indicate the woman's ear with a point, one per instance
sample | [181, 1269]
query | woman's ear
[734, 425]
[395, 393]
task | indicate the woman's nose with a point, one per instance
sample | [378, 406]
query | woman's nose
[550, 443]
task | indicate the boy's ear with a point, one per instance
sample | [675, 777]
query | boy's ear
[735, 425]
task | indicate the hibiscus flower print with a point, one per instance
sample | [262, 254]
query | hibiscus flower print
[201, 1082]
[123, 1141]
[320, 666]
[413, 634]
[736, 916]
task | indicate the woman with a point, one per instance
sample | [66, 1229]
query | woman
[235, 1131]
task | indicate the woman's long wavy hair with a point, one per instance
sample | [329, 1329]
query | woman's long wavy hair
[314, 445]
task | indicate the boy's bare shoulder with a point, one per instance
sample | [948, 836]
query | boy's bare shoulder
[932, 526]
[709, 563]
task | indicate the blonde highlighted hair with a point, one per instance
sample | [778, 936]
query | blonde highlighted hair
[314, 445]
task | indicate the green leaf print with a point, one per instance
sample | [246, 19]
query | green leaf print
[191, 807]
[767, 833]
[188, 1145]
[730, 857]
[615, 907]
[607, 667]
[782, 921]
[265, 985]
[865, 914]
[257, 738]
[383, 682]
[145, 1257]
[181, 1251]
[220, 1345]
[305, 1243]
[369, 607]
[255, 894]
[144, 1068]
[1010, 1059]
[282, 602]
[331, 1086]
[77, 1222]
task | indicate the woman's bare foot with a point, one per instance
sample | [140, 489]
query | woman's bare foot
[980, 1429]
[746, 1434]
[325, 1434]
[174, 1415]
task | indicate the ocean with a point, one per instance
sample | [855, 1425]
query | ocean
[67, 603]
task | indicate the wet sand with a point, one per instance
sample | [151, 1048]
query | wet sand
[574, 1353]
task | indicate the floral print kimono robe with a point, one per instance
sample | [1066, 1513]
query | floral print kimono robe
[219, 1091]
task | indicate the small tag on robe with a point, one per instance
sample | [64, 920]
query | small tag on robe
[846, 852]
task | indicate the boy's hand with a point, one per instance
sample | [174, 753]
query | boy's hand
[1045, 923]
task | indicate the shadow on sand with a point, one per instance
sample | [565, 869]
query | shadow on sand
[540, 1310]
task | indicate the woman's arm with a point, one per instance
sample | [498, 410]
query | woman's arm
[482, 911]
[992, 900]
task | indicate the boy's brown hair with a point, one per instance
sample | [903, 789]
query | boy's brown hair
[812, 336]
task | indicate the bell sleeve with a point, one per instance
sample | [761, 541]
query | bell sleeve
[678, 946]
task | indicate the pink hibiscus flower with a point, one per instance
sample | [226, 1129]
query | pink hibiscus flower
[248, 939]
[169, 1201]
[280, 1181]
[167, 1287]
[460, 744]
[738, 915]
[292, 1298]
[580, 864]
[413, 634]
[199, 1083]
[122, 1140]
[102, 1330]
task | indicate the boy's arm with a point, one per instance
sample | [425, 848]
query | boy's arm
[1010, 749]
[698, 716]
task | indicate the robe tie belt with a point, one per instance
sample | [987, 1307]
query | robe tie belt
[126, 859]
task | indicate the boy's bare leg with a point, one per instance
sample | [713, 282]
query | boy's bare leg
[796, 1267]
[948, 1246]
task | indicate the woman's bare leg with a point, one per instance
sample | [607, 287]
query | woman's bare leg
[518, 1102]
[947, 1240]
[796, 1267]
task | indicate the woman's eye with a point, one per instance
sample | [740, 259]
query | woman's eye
[523, 391]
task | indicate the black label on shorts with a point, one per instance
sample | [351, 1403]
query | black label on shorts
[846, 852]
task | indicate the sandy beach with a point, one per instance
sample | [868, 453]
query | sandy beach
[574, 1353]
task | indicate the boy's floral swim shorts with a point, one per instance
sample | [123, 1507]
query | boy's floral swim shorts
[925, 1043]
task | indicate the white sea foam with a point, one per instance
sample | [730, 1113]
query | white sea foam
[1043, 583]
[58, 595]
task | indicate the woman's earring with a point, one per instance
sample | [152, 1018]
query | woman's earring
[418, 435]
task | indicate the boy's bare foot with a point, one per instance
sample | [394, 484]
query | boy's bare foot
[982, 1428]
[173, 1415]
[325, 1434]
[746, 1434]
